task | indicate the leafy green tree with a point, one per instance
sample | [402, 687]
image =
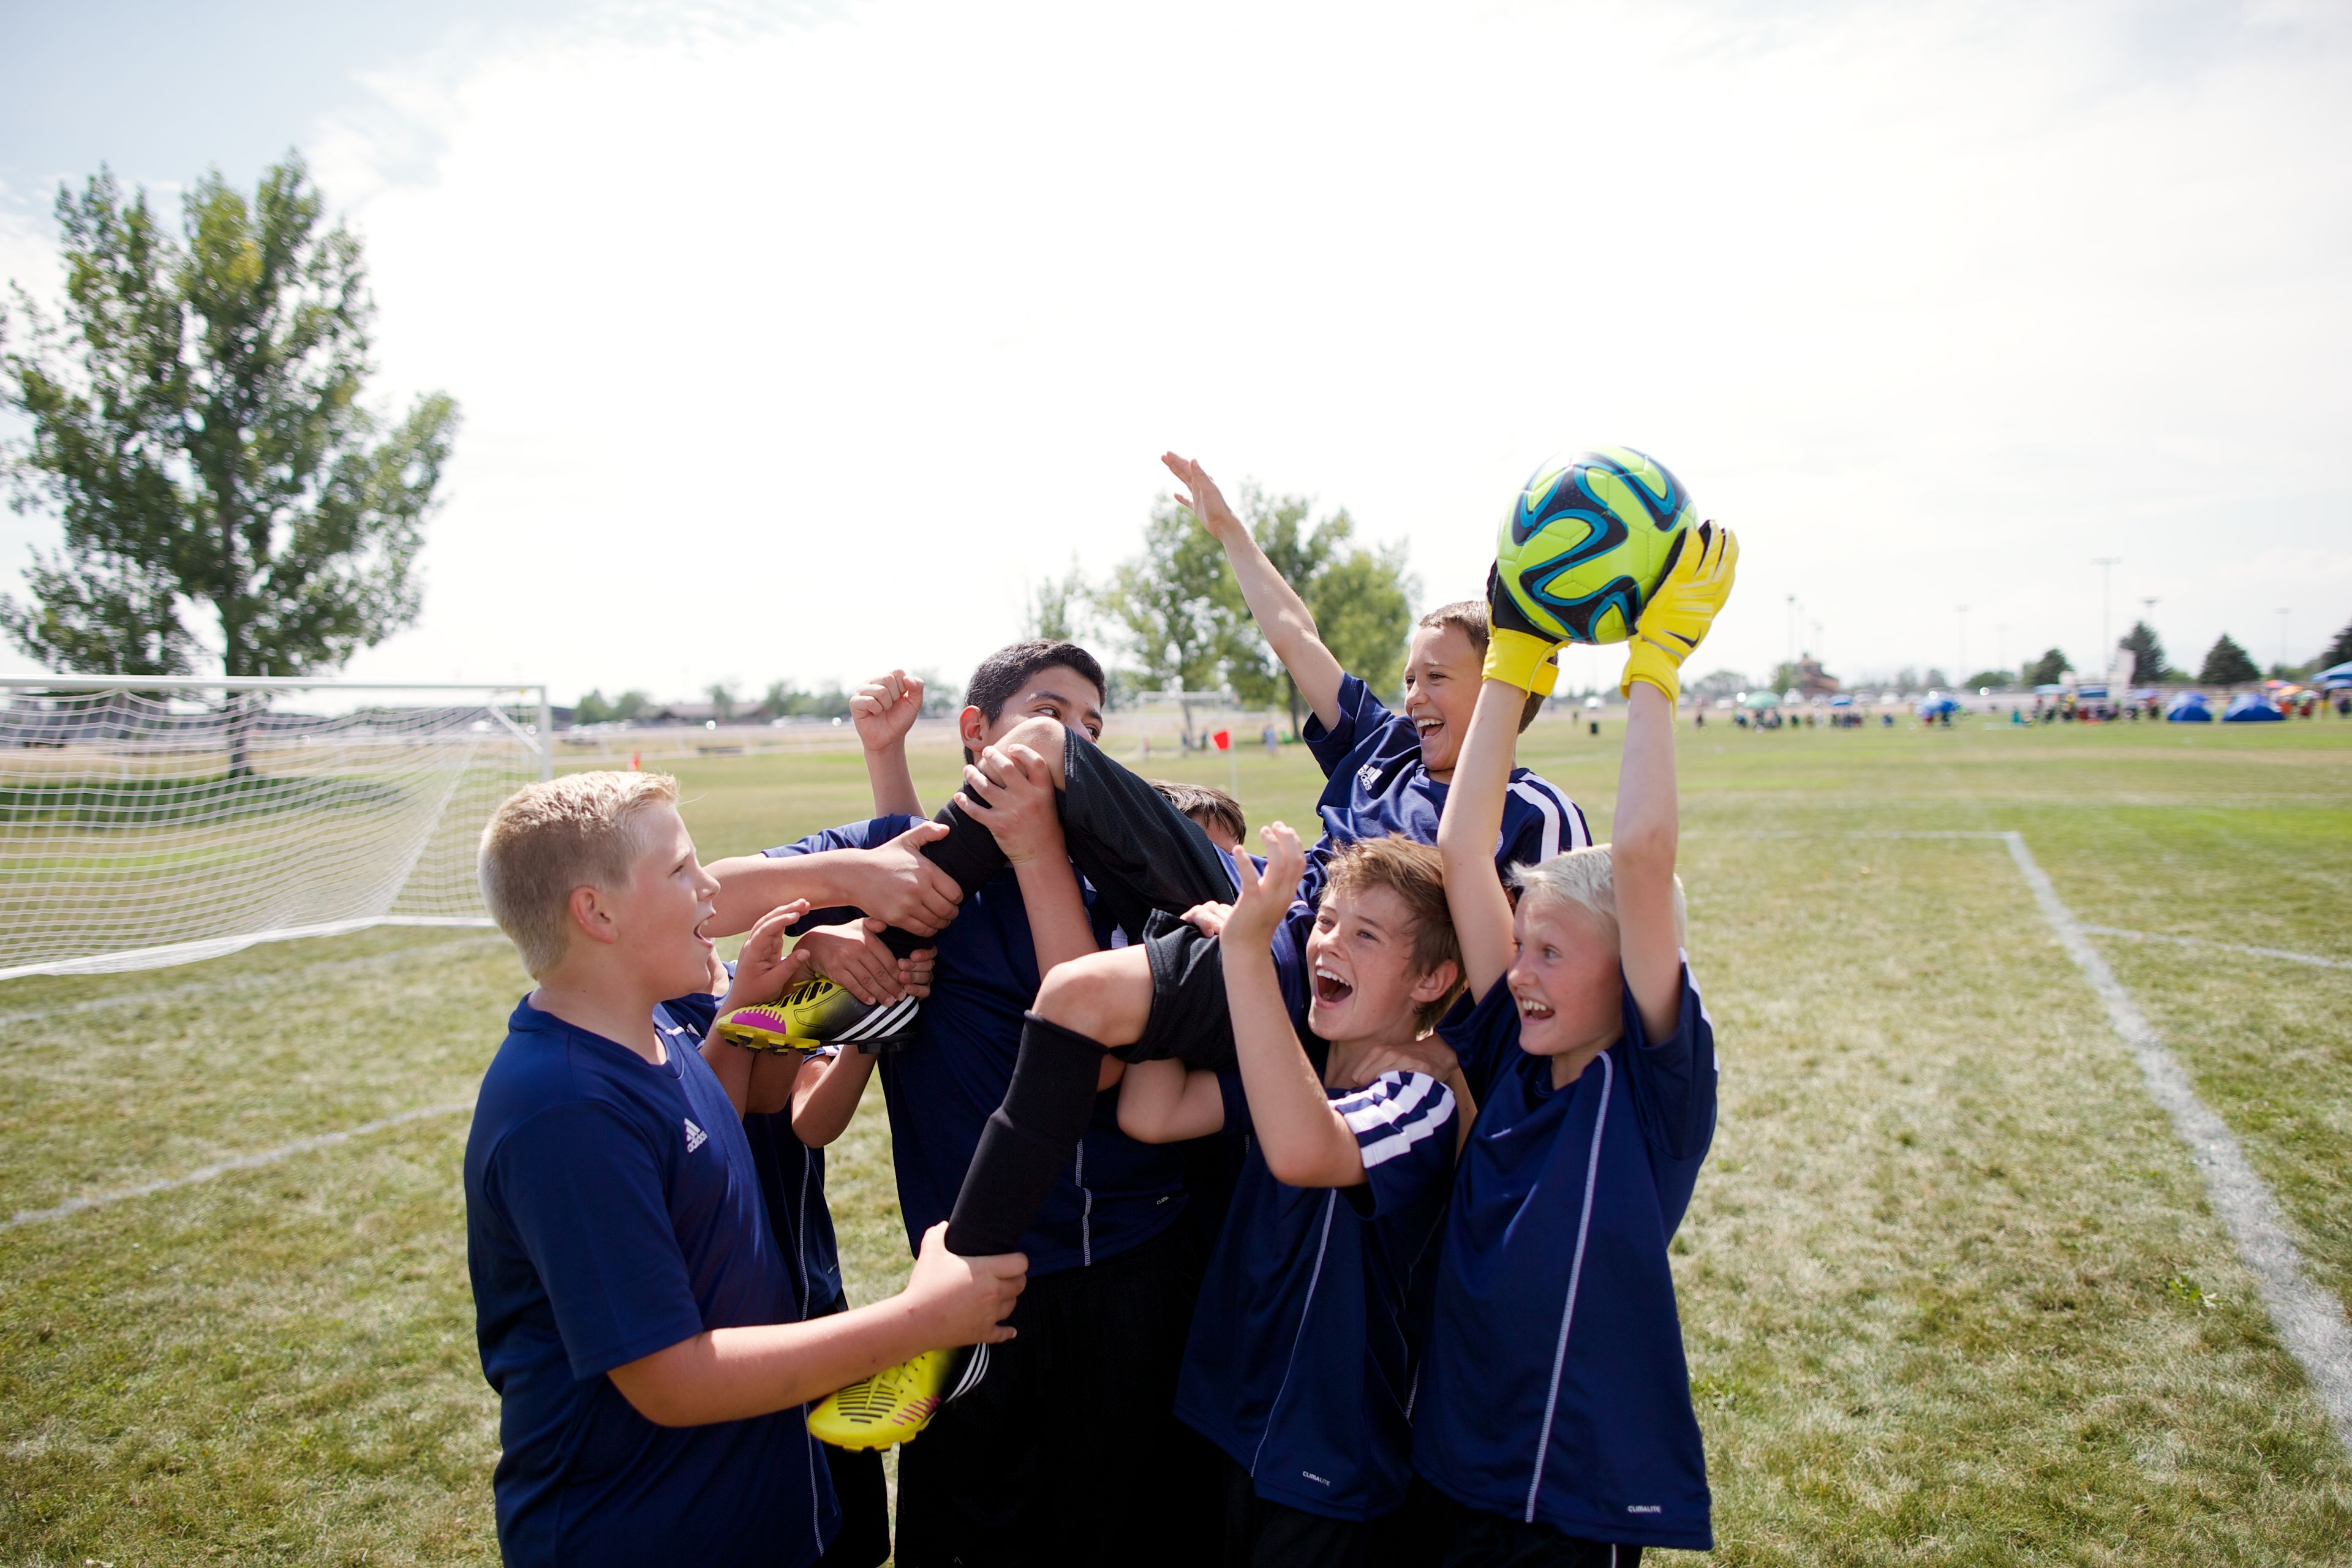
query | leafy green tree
[591, 709]
[2147, 654]
[1991, 678]
[2227, 664]
[2045, 670]
[722, 694]
[1055, 607]
[630, 705]
[1166, 603]
[195, 424]
[2338, 651]
[1721, 683]
[1360, 598]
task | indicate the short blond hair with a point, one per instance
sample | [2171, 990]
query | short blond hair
[547, 839]
[1585, 877]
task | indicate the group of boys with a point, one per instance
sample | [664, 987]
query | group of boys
[1304, 1209]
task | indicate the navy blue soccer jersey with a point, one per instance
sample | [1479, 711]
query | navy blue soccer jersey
[1299, 1365]
[1554, 1388]
[942, 1086]
[1377, 786]
[612, 1210]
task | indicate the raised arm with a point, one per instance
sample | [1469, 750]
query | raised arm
[825, 1095]
[1280, 612]
[1647, 821]
[884, 710]
[1306, 1142]
[1466, 834]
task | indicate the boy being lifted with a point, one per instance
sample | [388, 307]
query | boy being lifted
[1554, 1422]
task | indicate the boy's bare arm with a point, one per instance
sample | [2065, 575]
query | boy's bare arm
[1280, 612]
[733, 1374]
[1026, 819]
[826, 1093]
[1167, 1102]
[893, 882]
[763, 971]
[1647, 823]
[884, 710]
[1466, 834]
[1305, 1141]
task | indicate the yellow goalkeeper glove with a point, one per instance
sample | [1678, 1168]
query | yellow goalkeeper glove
[1680, 611]
[1516, 652]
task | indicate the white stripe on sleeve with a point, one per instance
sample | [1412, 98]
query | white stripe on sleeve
[1394, 1112]
[1546, 800]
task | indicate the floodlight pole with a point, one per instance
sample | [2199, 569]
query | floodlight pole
[2107, 566]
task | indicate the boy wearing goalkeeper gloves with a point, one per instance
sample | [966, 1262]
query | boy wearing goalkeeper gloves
[1554, 1423]
[632, 1308]
[1300, 1366]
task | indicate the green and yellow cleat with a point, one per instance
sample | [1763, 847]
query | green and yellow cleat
[896, 1403]
[815, 1013]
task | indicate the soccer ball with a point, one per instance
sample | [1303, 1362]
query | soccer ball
[1589, 538]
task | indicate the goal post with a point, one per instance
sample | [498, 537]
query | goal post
[148, 820]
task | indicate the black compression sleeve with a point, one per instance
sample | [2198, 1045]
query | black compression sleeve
[1028, 1139]
[968, 853]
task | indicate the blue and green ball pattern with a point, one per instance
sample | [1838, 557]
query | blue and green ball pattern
[1588, 539]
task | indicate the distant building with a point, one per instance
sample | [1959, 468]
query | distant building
[1813, 679]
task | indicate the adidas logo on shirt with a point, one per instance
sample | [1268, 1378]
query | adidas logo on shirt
[695, 1136]
[1368, 776]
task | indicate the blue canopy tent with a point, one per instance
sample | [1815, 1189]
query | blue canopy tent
[2335, 676]
[1936, 706]
[2187, 708]
[2250, 708]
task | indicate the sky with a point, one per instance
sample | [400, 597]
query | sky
[798, 342]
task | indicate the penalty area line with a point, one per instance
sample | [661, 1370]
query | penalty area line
[2315, 960]
[241, 1163]
[2309, 1320]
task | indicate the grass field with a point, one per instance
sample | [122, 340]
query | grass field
[1951, 1292]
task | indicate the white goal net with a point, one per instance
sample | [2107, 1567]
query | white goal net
[148, 821]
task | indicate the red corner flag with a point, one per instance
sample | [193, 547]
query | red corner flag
[1224, 740]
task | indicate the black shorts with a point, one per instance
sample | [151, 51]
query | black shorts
[1189, 1018]
[1445, 1533]
[1263, 1534]
[1069, 1452]
[1141, 853]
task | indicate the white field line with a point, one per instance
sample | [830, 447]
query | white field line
[260, 981]
[2309, 1320]
[241, 1163]
[2315, 960]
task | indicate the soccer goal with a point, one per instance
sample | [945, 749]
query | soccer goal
[150, 820]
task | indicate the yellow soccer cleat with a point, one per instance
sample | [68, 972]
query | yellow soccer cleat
[896, 1403]
[815, 1014]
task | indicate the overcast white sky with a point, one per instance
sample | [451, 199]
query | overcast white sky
[794, 341]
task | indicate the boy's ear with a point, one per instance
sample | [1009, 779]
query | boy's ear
[590, 916]
[1437, 982]
[971, 725]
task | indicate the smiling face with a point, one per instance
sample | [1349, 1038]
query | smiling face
[1056, 692]
[657, 916]
[1360, 959]
[1567, 983]
[1441, 687]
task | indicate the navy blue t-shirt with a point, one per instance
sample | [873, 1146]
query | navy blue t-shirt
[612, 1211]
[1554, 1387]
[1299, 1365]
[1377, 787]
[940, 1086]
[792, 1178]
